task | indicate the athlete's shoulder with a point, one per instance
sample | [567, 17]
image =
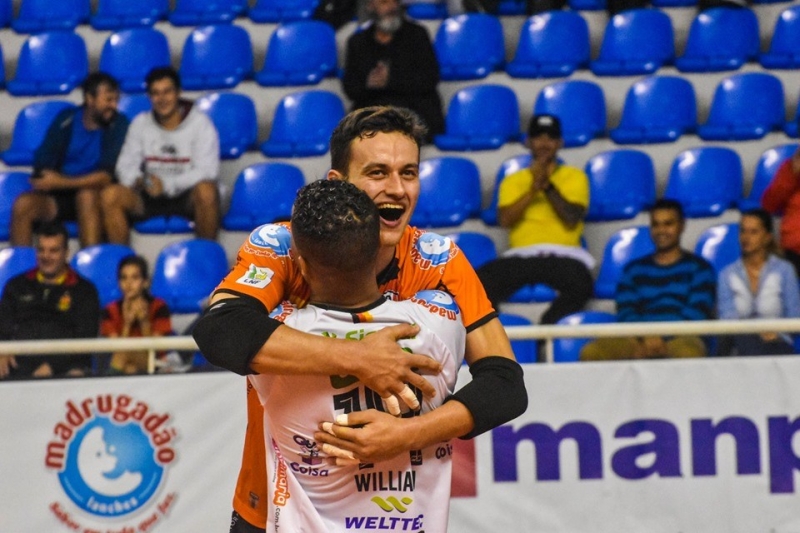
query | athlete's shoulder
[283, 311]
[426, 249]
[270, 240]
[437, 303]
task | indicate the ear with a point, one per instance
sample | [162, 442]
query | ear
[336, 175]
[301, 263]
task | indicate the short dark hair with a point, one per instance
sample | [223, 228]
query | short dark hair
[366, 122]
[93, 81]
[761, 214]
[336, 224]
[136, 260]
[160, 73]
[51, 228]
[669, 204]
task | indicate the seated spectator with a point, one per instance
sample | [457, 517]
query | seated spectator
[758, 285]
[136, 314]
[75, 160]
[543, 207]
[671, 284]
[392, 62]
[169, 164]
[50, 301]
[782, 197]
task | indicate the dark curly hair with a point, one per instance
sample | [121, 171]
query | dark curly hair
[334, 223]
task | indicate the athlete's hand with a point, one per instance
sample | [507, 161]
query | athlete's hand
[7, 362]
[364, 436]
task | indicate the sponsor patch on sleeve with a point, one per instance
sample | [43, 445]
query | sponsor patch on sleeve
[258, 277]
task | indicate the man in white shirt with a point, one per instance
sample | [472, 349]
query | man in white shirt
[314, 487]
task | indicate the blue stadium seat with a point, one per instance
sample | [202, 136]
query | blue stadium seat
[2, 70]
[201, 12]
[263, 193]
[53, 62]
[216, 57]
[661, 4]
[303, 123]
[234, 116]
[30, 128]
[282, 10]
[480, 117]
[478, 247]
[705, 180]
[15, 260]
[450, 192]
[657, 109]
[36, 16]
[511, 8]
[622, 247]
[791, 126]
[12, 184]
[569, 350]
[525, 350]
[637, 41]
[766, 167]
[719, 245]
[129, 55]
[186, 272]
[551, 45]
[622, 184]
[122, 14]
[587, 5]
[132, 104]
[299, 53]
[509, 166]
[746, 106]
[6, 13]
[581, 106]
[433, 10]
[99, 265]
[161, 225]
[469, 46]
[784, 47]
[720, 38]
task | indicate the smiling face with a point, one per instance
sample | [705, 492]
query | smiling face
[102, 106]
[666, 228]
[164, 97]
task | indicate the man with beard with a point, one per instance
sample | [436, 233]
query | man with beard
[392, 62]
[75, 160]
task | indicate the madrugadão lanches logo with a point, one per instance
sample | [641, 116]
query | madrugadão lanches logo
[111, 453]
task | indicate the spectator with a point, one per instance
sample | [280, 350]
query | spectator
[758, 285]
[782, 197]
[75, 160]
[669, 285]
[543, 206]
[136, 314]
[168, 166]
[50, 301]
[392, 62]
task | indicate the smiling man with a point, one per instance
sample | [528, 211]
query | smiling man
[376, 149]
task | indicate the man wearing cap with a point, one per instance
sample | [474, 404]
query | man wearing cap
[543, 207]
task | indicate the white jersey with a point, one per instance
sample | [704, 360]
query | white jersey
[408, 493]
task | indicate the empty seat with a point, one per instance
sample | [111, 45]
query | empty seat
[480, 117]
[234, 116]
[622, 184]
[30, 128]
[469, 46]
[216, 57]
[720, 38]
[587, 5]
[509, 166]
[746, 106]
[450, 192]
[525, 350]
[637, 41]
[15, 260]
[568, 350]
[122, 14]
[784, 47]
[706, 180]
[426, 10]
[282, 10]
[551, 44]
[52, 62]
[477, 247]
[622, 247]
[581, 107]
[719, 245]
[99, 265]
[36, 16]
[673, 3]
[164, 224]
[201, 12]
[133, 104]
[12, 184]
[657, 109]
[129, 55]
[299, 53]
[186, 272]
[766, 167]
[303, 123]
[278, 183]
[6, 12]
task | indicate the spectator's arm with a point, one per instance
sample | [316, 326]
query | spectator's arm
[112, 143]
[702, 295]
[725, 297]
[131, 157]
[627, 300]
[509, 215]
[785, 182]
[419, 73]
[356, 71]
[50, 154]
[86, 314]
[571, 214]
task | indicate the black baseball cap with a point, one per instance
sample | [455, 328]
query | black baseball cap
[545, 125]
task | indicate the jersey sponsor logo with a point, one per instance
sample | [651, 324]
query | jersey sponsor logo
[309, 450]
[393, 480]
[65, 302]
[258, 277]
[390, 523]
[272, 237]
[284, 309]
[392, 504]
[432, 250]
[437, 303]
[281, 495]
[111, 454]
